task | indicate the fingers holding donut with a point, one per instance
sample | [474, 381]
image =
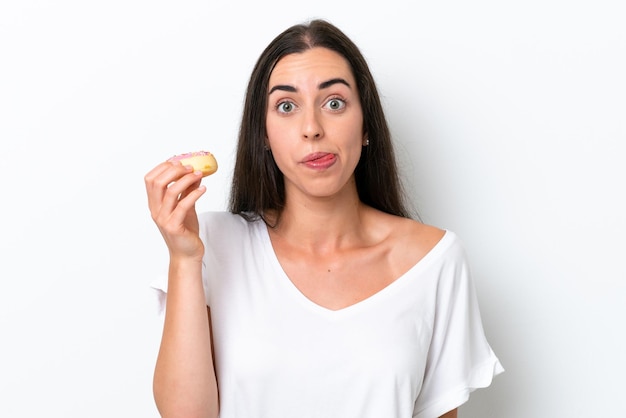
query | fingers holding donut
[173, 190]
[160, 179]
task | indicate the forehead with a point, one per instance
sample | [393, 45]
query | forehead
[316, 64]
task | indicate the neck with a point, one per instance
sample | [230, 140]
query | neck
[322, 225]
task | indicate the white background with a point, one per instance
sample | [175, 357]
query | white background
[509, 119]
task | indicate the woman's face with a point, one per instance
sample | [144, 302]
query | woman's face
[315, 123]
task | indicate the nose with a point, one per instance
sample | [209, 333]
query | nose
[311, 127]
[312, 135]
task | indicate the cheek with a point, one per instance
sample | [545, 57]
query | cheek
[352, 126]
[276, 132]
[352, 134]
[277, 141]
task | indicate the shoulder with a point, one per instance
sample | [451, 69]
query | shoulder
[413, 236]
[417, 234]
[407, 240]
[437, 251]
[425, 238]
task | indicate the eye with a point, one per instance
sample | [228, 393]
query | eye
[336, 104]
[285, 107]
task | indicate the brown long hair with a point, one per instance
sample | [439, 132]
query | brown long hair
[258, 185]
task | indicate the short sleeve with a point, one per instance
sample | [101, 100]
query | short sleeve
[159, 288]
[460, 359]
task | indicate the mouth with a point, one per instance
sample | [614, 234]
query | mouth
[319, 160]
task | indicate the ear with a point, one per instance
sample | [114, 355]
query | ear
[366, 140]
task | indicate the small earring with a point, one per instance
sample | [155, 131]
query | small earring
[367, 142]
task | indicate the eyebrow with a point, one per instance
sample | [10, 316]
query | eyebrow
[321, 86]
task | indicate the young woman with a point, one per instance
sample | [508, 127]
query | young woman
[316, 295]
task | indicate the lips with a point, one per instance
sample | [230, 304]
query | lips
[319, 160]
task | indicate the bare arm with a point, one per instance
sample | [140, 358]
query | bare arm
[451, 414]
[184, 378]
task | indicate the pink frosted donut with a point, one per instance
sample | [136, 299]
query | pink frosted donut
[200, 161]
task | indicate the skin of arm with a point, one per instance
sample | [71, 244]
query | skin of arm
[451, 414]
[184, 377]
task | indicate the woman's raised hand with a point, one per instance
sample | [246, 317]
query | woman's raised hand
[173, 190]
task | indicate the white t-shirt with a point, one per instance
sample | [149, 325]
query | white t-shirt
[414, 349]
